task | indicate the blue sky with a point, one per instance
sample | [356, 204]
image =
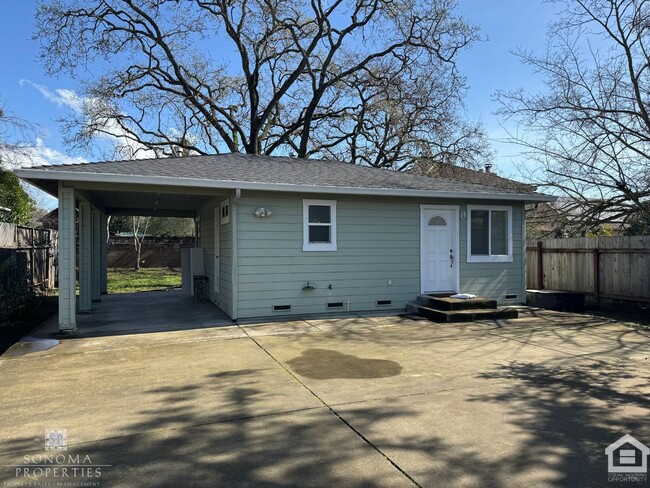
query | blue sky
[489, 66]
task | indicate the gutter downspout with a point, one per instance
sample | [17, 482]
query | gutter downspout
[235, 245]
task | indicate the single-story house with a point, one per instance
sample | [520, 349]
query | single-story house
[283, 236]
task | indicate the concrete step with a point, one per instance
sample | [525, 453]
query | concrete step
[446, 316]
[564, 301]
[448, 304]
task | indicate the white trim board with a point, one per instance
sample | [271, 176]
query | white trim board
[491, 258]
[318, 246]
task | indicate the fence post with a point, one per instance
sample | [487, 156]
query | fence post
[597, 276]
[540, 266]
[47, 278]
[32, 258]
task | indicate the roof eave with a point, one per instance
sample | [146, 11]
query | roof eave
[71, 176]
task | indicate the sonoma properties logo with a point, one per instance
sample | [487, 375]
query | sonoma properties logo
[56, 466]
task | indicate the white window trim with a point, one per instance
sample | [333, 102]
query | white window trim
[311, 246]
[503, 258]
[224, 219]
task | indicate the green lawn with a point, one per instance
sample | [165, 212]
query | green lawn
[127, 280]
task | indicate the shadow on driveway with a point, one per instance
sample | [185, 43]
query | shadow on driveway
[531, 402]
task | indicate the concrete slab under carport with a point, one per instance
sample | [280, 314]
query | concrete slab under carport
[409, 403]
[142, 313]
[137, 313]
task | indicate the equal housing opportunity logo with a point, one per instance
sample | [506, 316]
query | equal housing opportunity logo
[627, 460]
[56, 466]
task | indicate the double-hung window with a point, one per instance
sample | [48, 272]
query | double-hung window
[319, 225]
[489, 234]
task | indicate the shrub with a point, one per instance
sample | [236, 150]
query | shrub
[15, 295]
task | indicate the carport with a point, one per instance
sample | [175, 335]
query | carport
[95, 197]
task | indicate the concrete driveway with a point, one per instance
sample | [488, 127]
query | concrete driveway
[360, 401]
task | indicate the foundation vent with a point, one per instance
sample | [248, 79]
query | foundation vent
[335, 305]
[384, 302]
[510, 296]
[281, 308]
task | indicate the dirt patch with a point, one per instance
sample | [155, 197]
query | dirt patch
[325, 364]
[631, 317]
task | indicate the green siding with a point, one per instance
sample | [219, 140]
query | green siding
[495, 280]
[223, 299]
[378, 240]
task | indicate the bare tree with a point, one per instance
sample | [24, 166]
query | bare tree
[15, 137]
[370, 81]
[589, 129]
[140, 225]
[405, 120]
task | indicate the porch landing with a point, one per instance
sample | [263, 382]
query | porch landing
[446, 309]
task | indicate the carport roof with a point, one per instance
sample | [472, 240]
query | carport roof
[244, 171]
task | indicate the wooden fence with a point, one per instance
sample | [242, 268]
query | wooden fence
[615, 268]
[157, 252]
[34, 253]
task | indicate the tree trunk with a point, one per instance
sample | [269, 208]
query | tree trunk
[138, 239]
[138, 252]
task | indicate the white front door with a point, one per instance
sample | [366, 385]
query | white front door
[438, 249]
[216, 249]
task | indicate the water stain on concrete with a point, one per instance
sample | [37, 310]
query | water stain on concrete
[30, 345]
[325, 364]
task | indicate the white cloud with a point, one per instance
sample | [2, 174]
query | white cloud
[124, 146]
[62, 97]
[37, 154]
[52, 156]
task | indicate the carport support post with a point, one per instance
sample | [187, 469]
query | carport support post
[103, 254]
[67, 260]
[95, 275]
[540, 265]
[85, 257]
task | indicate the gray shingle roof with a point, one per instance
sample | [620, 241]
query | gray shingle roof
[277, 170]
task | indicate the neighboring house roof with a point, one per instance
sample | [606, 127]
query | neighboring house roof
[567, 212]
[252, 172]
[50, 220]
[458, 173]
